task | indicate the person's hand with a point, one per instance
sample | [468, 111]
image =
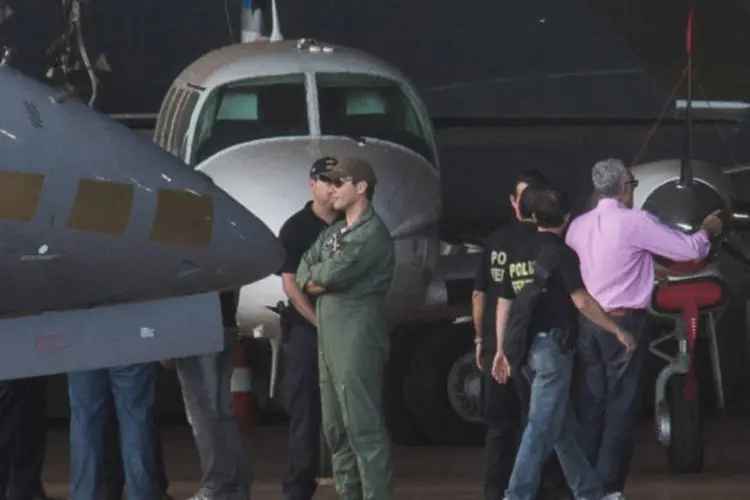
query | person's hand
[500, 368]
[314, 289]
[478, 354]
[627, 340]
[713, 224]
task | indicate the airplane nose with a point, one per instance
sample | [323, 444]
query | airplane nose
[245, 249]
[213, 241]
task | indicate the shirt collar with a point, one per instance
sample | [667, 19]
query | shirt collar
[609, 203]
[366, 216]
[308, 207]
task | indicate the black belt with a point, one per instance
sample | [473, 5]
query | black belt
[625, 311]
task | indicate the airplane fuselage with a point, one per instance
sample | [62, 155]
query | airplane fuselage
[92, 214]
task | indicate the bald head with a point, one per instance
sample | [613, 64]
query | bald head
[612, 179]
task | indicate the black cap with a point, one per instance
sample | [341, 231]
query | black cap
[323, 165]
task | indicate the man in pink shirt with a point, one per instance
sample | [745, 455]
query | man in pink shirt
[615, 244]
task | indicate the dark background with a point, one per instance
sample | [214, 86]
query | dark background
[547, 84]
[473, 58]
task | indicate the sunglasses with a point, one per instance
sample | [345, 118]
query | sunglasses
[334, 182]
[633, 183]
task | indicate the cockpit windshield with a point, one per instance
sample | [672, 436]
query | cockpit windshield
[372, 106]
[248, 110]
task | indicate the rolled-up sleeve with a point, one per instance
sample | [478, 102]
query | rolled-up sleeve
[655, 237]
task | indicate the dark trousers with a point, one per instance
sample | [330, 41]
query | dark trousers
[113, 476]
[133, 388]
[300, 388]
[501, 410]
[206, 390]
[608, 396]
[23, 437]
[505, 411]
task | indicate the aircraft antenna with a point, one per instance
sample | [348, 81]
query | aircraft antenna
[686, 170]
[276, 35]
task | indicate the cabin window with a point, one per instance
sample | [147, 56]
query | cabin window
[249, 110]
[183, 219]
[102, 206]
[20, 193]
[372, 106]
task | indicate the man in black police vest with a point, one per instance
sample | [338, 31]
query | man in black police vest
[504, 406]
[545, 317]
[300, 386]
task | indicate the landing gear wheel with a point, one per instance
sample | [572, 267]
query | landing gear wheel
[685, 430]
[443, 390]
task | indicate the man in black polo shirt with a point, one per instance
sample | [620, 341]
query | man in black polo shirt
[300, 386]
[501, 407]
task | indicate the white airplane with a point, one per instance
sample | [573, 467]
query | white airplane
[254, 117]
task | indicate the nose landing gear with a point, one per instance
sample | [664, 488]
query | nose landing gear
[678, 415]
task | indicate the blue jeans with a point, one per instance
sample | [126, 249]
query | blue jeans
[551, 425]
[608, 396]
[133, 388]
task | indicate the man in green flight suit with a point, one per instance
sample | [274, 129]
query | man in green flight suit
[349, 268]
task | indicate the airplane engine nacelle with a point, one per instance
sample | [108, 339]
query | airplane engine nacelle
[697, 286]
[683, 208]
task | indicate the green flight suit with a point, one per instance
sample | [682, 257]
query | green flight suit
[355, 267]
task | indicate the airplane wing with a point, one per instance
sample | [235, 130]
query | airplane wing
[87, 339]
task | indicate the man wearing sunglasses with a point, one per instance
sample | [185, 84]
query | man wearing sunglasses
[615, 245]
[300, 386]
[349, 269]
